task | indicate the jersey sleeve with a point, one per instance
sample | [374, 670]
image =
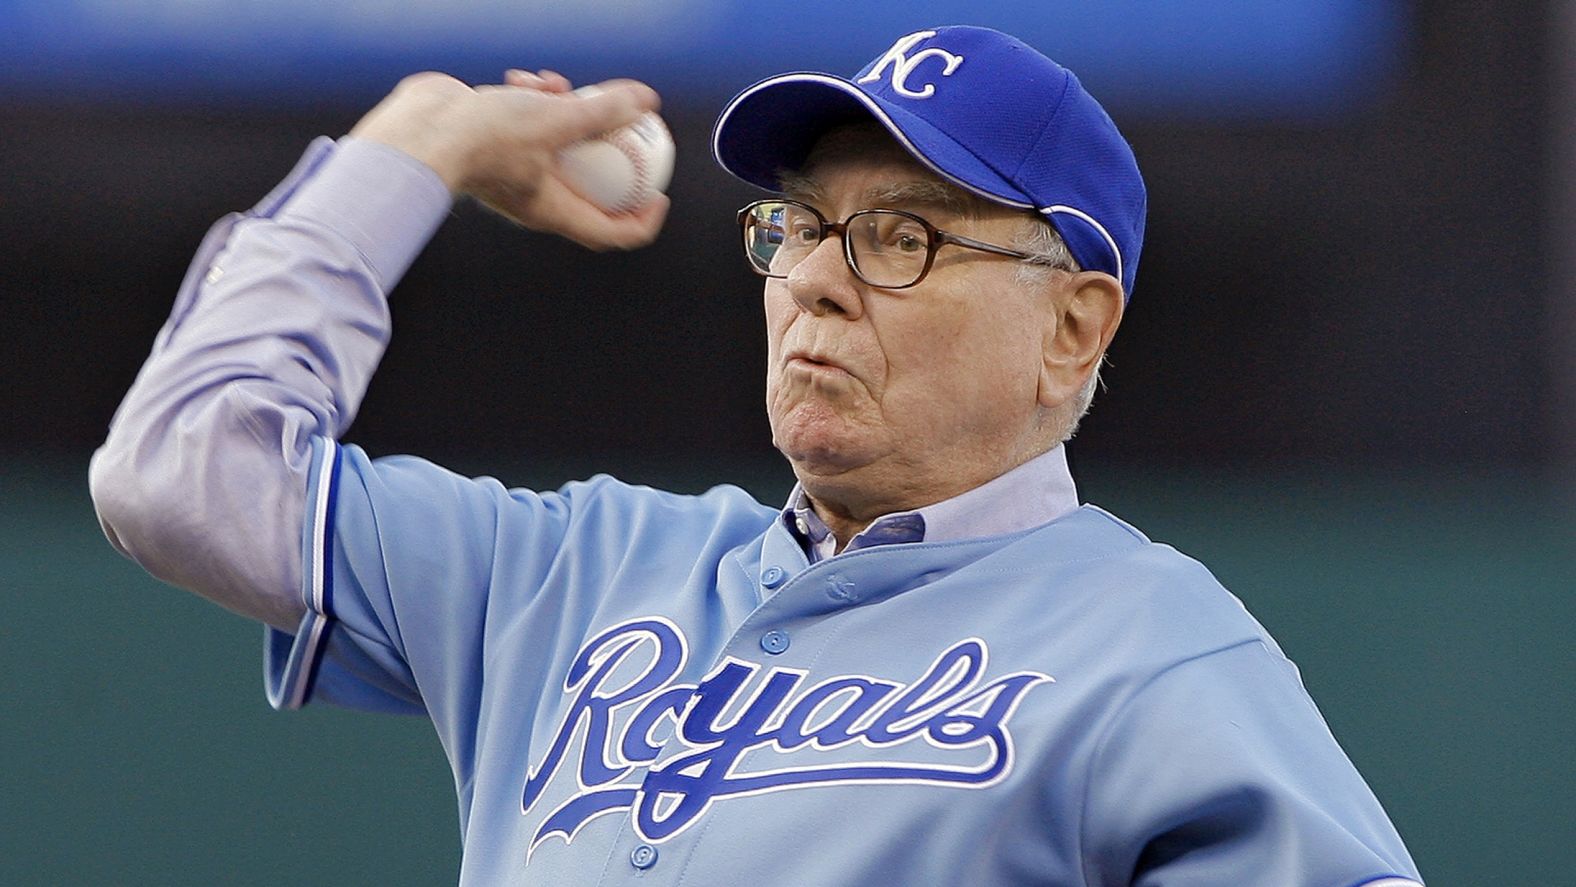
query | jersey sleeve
[399, 558]
[1220, 770]
[424, 590]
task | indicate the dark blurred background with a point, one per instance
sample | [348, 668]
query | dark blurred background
[1346, 381]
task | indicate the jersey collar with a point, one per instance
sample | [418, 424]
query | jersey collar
[1036, 492]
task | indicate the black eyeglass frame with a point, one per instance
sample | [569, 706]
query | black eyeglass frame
[936, 239]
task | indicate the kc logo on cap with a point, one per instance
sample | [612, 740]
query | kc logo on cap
[903, 65]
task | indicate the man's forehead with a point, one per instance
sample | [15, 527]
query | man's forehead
[893, 192]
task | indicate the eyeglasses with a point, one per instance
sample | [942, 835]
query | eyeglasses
[886, 248]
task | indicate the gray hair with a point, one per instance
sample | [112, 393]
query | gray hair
[1039, 239]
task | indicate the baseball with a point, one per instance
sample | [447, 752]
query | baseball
[621, 169]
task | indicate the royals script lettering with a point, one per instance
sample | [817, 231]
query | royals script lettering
[622, 692]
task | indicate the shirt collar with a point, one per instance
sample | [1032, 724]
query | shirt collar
[1036, 492]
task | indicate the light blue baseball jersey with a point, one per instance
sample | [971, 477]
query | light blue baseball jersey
[634, 686]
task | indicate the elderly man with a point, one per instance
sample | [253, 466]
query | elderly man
[933, 665]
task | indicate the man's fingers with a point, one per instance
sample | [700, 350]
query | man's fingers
[542, 81]
[554, 81]
[613, 104]
[644, 96]
[568, 116]
[592, 227]
[526, 124]
[522, 77]
[600, 231]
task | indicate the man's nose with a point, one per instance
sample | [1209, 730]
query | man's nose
[822, 282]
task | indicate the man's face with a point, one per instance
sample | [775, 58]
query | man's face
[902, 397]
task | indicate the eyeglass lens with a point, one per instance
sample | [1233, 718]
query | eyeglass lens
[887, 248]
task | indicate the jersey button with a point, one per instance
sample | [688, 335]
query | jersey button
[774, 641]
[643, 856]
[771, 577]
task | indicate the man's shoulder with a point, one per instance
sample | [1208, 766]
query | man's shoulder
[601, 491]
[612, 519]
[1093, 539]
[1130, 586]
[414, 491]
[604, 495]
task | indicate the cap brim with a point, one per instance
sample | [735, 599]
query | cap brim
[772, 126]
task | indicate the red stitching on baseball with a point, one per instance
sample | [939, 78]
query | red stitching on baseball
[637, 158]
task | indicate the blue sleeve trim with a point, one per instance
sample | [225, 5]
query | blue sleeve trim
[292, 662]
[1389, 881]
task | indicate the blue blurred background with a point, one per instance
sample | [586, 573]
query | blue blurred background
[1346, 381]
[1258, 57]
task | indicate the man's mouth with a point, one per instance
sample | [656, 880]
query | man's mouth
[814, 362]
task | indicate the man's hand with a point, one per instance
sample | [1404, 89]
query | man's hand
[500, 143]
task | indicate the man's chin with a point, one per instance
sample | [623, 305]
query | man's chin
[822, 459]
[820, 440]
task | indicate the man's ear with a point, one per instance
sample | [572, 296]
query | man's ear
[1087, 310]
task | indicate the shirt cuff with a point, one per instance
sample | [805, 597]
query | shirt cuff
[386, 203]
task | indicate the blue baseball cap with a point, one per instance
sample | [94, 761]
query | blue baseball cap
[981, 109]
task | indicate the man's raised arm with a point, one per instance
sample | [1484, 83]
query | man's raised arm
[282, 319]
